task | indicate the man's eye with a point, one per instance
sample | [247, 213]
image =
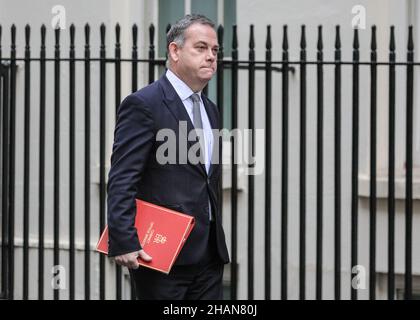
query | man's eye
[201, 47]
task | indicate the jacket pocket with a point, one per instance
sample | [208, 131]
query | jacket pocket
[175, 207]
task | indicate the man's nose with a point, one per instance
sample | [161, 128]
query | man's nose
[211, 56]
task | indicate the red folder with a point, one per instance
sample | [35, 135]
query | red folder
[162, 233]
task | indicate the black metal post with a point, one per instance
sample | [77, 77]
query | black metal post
[319, 165]
[251, 165]
[57, 155]
[41, 208]
[102, 132]
[26, 170]
[372, 200]
[408, 278]
[391, 171]
[337, 166]
[234, 189]
[284, 163]
[72, 174]
[302, 164]
[355, 161]
[267, 223]
[87, 161]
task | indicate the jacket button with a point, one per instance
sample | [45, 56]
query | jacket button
[208, 181]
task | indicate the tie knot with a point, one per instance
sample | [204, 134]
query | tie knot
[195, 97]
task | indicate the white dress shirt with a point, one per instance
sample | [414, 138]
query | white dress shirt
[184, 92]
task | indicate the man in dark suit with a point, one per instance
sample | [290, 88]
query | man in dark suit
[138, 169]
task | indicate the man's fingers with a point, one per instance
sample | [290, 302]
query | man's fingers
[144, 256]
[133, 263]
[128, 260]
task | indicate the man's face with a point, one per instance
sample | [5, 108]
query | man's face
[196, 60]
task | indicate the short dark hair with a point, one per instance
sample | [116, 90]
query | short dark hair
[177, 31]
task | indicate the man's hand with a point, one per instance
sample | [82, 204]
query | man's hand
[129, 260]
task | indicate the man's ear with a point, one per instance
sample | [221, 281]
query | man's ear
[173, 51]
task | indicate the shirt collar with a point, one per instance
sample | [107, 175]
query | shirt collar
[181, 88]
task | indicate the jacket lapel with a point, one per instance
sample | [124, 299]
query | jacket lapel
[211, 113]
[177, 108]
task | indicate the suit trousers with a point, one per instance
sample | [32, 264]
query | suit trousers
[202, 281]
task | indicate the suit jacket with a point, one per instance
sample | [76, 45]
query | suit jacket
[136, 173]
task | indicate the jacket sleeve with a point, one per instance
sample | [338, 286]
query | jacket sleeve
[133, 140]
